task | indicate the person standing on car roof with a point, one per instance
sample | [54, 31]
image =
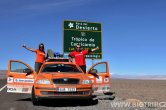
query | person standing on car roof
[40, 56]
[79, 56]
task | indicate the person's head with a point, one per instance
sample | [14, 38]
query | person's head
[41, 47]
[78, 48]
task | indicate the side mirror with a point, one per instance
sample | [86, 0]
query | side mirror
[28, 71]
[93, 71]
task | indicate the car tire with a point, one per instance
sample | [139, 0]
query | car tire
[35, 101]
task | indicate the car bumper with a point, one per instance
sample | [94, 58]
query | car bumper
[64, 97]
[82, 92]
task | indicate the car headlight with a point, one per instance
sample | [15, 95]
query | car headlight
[86, 82]
[43, 81]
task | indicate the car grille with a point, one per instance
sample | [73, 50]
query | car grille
[65, 81]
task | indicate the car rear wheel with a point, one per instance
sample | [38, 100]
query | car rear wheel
[35, 101]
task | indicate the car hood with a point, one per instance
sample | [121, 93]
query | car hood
[62, 75]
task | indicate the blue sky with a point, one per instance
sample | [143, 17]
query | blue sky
[133, 30]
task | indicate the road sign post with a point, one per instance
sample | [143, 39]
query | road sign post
[87, 34]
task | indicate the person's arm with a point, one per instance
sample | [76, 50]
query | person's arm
[46, 57]
[30, 49]
[97, 48]
[94, 49]
[70, 56]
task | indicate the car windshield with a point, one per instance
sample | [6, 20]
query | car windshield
[69, 68]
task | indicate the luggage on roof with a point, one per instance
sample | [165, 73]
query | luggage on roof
[55, 56]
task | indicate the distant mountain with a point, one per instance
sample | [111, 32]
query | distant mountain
[115, 76]
[3, 71]
[142, 77]
[3, 74]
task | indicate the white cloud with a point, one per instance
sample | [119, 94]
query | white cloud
[59, 5]
[43, 6]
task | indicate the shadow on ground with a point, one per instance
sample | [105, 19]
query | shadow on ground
[64, 102]
[71, 102]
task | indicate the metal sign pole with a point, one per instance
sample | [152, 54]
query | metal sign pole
[92, 61]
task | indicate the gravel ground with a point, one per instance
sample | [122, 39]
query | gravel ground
[129, 95]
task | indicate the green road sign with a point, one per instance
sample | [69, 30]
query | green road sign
[87, 34]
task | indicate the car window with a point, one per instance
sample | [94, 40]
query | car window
[18, 67]
[101, 68]
[60, 68]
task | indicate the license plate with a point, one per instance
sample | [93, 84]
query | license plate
[66, 89]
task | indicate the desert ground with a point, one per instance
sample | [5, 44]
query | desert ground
[124, 90]
[144, 90]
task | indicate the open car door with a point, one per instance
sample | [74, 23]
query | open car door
[100, 77]
[20, 77]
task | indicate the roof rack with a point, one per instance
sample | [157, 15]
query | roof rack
[54, 59]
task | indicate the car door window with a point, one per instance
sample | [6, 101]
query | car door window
[101, 68]
[18, 67]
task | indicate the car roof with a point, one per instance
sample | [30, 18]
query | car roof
[59, 63]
